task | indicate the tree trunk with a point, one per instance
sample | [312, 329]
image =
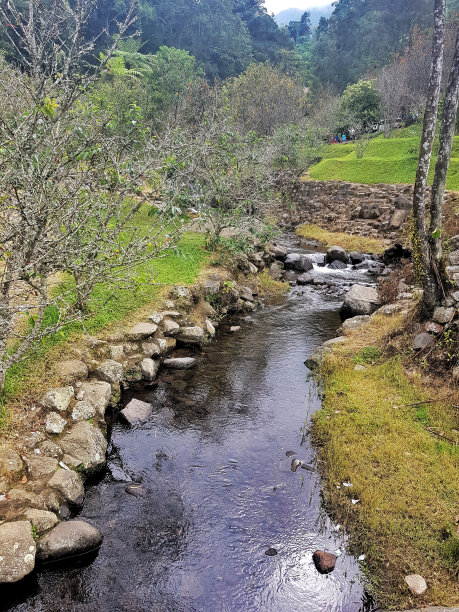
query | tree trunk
[421, 249]
[444, 154]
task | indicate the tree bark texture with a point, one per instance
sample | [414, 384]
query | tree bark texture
[444, 154]
[421, 249]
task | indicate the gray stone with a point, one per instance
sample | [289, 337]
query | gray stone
[279, 252]
[246, 294]
[356, 258]
[191, 335]
[422, 341]
[166, 345]
[170, 327]
[416, 584]
[42, 520]
[87, 444]
[96, 393]
[337, 265]
[443, 315]
[82, 411]
[39, 466]
[433, 328]
[336, 253]
[275, 271]
[398, 219]
[211, 286]
[116, 352]
[141, 331]
[55, 424]
[179, 291]
[252, 268]
[402, 203]
[149, 368]
[316, 359]
[353, 323]
[110, 371]
[333, 341]
[137, 411]
[454, 258]
[291, 260]
[171, 314]
[17, 551]
[155, 318]
[180, 363]
[10, 462]
[26, 498]
[151, 349]
[50, 449]
[305, 279]
[70, 485]
[234, 329]
[58, 399]
[71, 371]
[68, 539]
[360, 300]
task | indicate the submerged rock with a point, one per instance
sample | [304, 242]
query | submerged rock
[180, 363]
[324, 561]
[68, 539]
[137, 411]
[17, 551]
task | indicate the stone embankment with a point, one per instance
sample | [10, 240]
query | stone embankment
[368, 210]
[42, 480]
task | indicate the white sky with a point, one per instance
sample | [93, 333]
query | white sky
[275, 6]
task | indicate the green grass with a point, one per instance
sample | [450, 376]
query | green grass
[386, 160]
[181, 267]
[373, 432]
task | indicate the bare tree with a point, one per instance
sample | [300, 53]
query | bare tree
[444, 154]
[421, 249]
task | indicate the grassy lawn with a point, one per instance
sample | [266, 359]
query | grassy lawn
[386, 160]
[181, 267]
[346, 241]
[373, 431]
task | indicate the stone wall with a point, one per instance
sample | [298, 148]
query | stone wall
[368, 210]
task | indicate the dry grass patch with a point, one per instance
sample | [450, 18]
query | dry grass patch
[375, 430]
[346, 241]
[270, 287]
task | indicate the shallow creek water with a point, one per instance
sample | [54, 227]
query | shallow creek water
[192, 499]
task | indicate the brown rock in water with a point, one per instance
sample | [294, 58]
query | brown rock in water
[324, 561]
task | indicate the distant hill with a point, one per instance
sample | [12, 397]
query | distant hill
[294, 14]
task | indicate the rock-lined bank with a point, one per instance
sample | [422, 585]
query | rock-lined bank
[42, 480]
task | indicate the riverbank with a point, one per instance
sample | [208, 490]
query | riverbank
[387, 439]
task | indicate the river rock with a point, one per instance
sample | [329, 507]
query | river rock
[83, 411]
[180, 363]
[58, 399]
[337, 265]
[116, 352]
[141, 331]
[360, 300]
[149, 368]
[10, 462]
[96, 393]
[50, 449]
[17, 551]
[42, 520]
[39, 466]
[170, 327]
[398, 219]
[68, 539]
[211, 286]
[54, 424]
[422, 341]
[137, 411]
[443, 315]
[191, 335]
[275, 271]
[298, 262]
[155, 318]
[70, 485]
[356, 258]
[336, 253]
[71, 371]
[324, 561]
[209, 328]
[110, 371]
[166, 345]
[416, 584]
[246, 294]
[234, 329]
[279, 252]
[454, 258]
[151, 349]
[353, 323]
[305, 279]
[315, 360]
[87, 444]
[22, 498]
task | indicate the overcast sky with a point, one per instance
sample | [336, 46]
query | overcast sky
[275, 6]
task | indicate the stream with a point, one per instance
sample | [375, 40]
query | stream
[192, 499]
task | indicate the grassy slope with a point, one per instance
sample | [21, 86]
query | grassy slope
[177, 268]
[392, 160]
[370, 433]
[346, 241]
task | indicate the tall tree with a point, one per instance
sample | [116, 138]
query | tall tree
[444, 154]
[424, 265]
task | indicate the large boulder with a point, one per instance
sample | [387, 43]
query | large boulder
[353, 323]
[300, 263]
[191, 335]
[17, 551]
[336, 253]
[42, 520]
[87, 444]
[360, 300]
[279, 252]
[110, 371]
[69, 539]
[70, 485]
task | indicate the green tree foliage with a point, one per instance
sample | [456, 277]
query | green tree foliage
[359, 108]
[300, 29]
